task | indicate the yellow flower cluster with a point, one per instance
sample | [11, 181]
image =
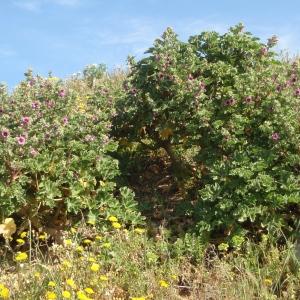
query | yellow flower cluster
[4, 292]
[21, 256]
[114, 222]
[163, 283]
[81, 105]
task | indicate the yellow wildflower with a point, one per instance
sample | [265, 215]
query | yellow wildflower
[43, 236]
[95, 267]
[70, 282]
[20, 242]
[268, 281]
[82, 296]
[116, 225]
[103, 278]
[51, 295]
[87, 241]
[106, 245]
[4, 292]
[66, 294]
[79, 249]
[51, 284]
[89, 291]
[91, 259]
[37, 274]
[8, 228]
[113, 219]
[21, 256]
[163, 284]
[23, 234]
[138, 298]
[73, 230]
[68, 242]
[67, 264]
[98, 238]
[139, 230]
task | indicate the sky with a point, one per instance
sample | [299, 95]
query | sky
[63, 36]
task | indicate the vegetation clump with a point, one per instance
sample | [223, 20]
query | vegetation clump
[97, 169]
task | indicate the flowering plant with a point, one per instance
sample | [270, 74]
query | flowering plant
[226, 112]
[55, 151]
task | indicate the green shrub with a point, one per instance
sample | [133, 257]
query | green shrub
[55, 151]
[226, 111]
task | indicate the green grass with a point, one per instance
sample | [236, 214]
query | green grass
[136, 265]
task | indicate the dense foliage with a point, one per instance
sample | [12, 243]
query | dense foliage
[55, 153]
[224, 108]
[226, 111]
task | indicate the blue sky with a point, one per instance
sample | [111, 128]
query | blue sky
[63, 36]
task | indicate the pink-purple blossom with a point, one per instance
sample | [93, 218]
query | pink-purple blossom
[65, 120]
[297, 92]
[25, 121]
[248, 99]
[202, 86]
[62, 93]
[35, 105]
[50, 104]
[5, 133]
[264, 51]
[275, 136]
[33, 152]
[229, 102]
[21, 140]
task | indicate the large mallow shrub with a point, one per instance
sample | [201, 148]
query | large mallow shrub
[55, 154]
[227, 112]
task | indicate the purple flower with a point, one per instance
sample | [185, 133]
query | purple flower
[293, 78]
[5, 133]
[202, 86]
[25, 120]
[190, 77]
[275, 136]
[264, 51]
[62, 93]
[35, 105]
[50, 104]
[229, 102]
[297, 92]
[21, 140]
[65, 120]
[33, 152]
[248, 99]
[133, 91]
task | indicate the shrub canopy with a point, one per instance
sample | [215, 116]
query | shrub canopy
[55, 151]
[226, 111]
